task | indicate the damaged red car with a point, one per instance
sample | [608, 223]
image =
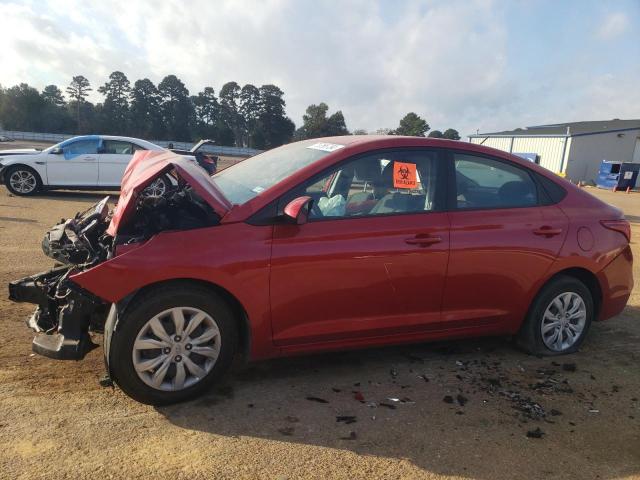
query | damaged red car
[326, 244]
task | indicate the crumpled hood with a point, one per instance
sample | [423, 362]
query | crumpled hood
[146, 166]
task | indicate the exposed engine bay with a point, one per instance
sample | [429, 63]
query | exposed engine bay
[66, 313]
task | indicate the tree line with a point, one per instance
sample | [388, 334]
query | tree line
[246, 116]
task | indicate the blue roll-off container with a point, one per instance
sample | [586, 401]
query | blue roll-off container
[618, 175]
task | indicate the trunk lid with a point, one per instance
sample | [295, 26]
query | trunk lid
[146, 166]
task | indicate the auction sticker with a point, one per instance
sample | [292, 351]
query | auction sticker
[404, 175]
[326, 147]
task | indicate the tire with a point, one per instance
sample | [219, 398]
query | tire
[537, 335]
[134, 330]
[31, 184]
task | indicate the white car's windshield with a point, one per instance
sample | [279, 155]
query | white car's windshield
[245, 180]
[74, 140]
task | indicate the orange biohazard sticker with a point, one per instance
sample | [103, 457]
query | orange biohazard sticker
[404, 175]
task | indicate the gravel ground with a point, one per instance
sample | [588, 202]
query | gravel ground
[470, 409]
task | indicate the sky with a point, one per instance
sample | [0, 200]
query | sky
[470, 65]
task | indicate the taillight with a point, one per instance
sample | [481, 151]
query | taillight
[621, 226]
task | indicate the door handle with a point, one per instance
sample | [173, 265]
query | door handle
[423, 241]
[89, 159]
[547, 231]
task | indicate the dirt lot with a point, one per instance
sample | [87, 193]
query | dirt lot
[464, 408]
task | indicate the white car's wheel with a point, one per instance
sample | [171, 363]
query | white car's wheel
[157, 188]
[22, 180]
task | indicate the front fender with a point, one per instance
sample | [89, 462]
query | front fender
[30, 162]
[234, 257]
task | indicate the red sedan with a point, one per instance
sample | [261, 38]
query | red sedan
[326, 244]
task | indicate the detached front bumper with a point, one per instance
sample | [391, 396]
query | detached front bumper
[63, 316]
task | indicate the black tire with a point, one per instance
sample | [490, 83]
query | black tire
[530, 337]
[144, 308]
[17, 168]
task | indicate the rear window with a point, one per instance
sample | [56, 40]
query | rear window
[486, 183]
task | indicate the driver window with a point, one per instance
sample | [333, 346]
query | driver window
[81, 147]
[376, 184]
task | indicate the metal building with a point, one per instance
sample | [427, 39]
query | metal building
[573, 150]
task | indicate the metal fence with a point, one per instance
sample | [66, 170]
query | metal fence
[59, 137]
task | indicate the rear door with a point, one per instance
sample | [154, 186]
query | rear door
[114, 157]
[75, 165]
[372, 258]
[503, 240]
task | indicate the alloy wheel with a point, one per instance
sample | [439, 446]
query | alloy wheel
[563, 321]
[176, 349]
[157, 188]
[23, 181]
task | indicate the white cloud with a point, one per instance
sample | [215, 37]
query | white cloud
[447, 61]
[613, 25]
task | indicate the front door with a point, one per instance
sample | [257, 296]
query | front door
[75, 165]
[372, 258]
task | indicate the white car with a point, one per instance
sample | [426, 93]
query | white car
[85, 162]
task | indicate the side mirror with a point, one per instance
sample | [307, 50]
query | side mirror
[57, 151]
[298, 210]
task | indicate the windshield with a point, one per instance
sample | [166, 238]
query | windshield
[64, 143]
[247, 179]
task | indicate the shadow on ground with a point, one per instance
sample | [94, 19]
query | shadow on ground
[76, 195]
[469, 408]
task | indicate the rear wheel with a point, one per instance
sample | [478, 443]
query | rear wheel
[559, 318]
[172, 344]
[22, 180]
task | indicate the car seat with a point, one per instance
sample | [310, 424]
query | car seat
[517, 194]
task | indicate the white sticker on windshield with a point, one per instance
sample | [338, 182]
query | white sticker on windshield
[326, 147]
[257, 189]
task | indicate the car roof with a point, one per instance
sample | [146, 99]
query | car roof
[116, 137]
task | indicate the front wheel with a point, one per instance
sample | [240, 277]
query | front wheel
[559, 318]
[172, 344]
[158, 187]
[22, 180]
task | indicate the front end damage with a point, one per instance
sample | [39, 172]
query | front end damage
[66, 314]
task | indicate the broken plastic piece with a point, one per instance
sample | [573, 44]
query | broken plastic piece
[317, 399]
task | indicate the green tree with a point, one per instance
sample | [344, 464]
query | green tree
[55, 116]
[435, 134]
[145, 116]
[249, 109]
[412, 125]
[359, 131]
[53, 96]
[207, 117]
[115, 109]
[274, 128]
[78, 90]
[21, 108]
[451, 134]
[229, 110]
[315, 123]
[177, 109]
